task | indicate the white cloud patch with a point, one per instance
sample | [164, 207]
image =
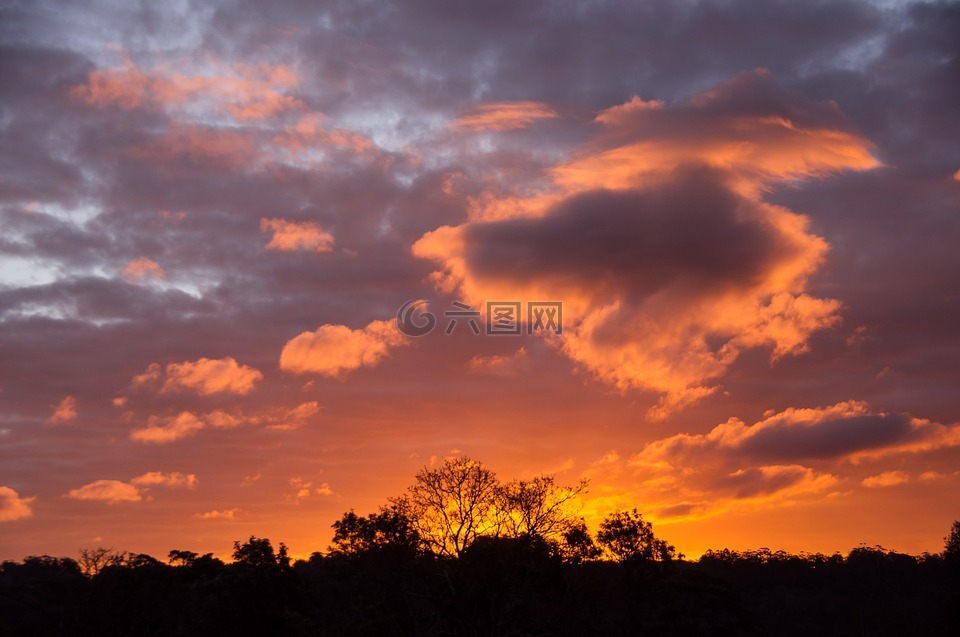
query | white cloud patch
[290, 236]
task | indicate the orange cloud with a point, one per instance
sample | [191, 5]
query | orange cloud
[886, 479]
[13, 506]
[289, 236]
[183, 425]
[222, 420]
[151, 376]
[503, 116]
[737, 127]
[646, 298]
[296, 417]
[113, 491]
[174, 479]
[655, 238]
[141, 268]
[846, 430]
[789, 457]
[64, 411]
[703, 489]
[227, 514]
[211, 376]
[499, 365]
[334, 350]
[109, 491]
[304, 489]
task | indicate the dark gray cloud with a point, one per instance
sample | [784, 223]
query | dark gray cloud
[753, 482]
[830, 438]
[690, 232]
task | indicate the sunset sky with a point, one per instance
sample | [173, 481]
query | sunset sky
[212, 213]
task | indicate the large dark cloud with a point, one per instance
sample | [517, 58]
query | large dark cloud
[829, 438]
[691, 232]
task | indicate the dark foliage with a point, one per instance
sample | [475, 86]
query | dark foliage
[498, 586]
[381, 578]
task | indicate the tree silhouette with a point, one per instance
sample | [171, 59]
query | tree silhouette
[525, 566]
[354, 534]
[577, 545]
[93, 561]
[183, 558]
[258, 552]
[626, 536]
[451, 505]
[538, 507]
[951, 549]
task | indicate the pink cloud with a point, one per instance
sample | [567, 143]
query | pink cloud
[289, 236]
[183, 145]
[126, 87]
[621, 113]
[312, 131]
[141, 268]
[243, 91]
[65, 411]
[504, 116]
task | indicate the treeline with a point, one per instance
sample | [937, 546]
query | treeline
[460, 553]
